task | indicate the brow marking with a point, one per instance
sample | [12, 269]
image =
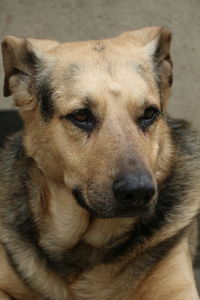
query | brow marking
[72, 71]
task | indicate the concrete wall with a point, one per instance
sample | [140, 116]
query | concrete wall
[69, 20]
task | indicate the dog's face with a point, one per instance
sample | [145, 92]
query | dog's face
[93, 114]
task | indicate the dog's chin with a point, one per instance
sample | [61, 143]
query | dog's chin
[114, 210]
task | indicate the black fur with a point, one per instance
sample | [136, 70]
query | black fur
[17, 205]
[45, 96]
[31, 59]
[150, 257]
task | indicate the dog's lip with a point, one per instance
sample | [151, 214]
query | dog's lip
[133, 210]
[78, 195]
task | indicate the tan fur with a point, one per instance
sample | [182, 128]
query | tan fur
[173, 274]
[13, 286]
[67, 223]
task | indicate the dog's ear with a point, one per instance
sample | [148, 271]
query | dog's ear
[21, 59]
[156, 41]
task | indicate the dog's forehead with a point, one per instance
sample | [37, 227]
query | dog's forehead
[104, 71]
[101, 64]
[101, 51]
[99, 46]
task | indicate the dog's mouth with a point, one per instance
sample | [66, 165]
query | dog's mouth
[106, 207]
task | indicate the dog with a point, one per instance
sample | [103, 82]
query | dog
[99, 193]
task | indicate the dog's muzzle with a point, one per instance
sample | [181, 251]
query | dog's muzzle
[130, 195]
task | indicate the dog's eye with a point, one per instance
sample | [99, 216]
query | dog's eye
[151, 113]
[82, 118]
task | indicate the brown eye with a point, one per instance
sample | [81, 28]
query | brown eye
[151, 113]
[82, 118]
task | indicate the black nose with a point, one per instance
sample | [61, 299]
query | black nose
[136, 189]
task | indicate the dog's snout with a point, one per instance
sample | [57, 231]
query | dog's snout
[136, 189]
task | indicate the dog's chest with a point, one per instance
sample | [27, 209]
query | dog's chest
[102, 283]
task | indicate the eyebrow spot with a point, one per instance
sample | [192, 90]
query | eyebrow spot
[135, 66]
[72, 71]
[73, 68]
[138, 68]
[88, 101]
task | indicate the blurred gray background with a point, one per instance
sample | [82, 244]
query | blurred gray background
[70, 20]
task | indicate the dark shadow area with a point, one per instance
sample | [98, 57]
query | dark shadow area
[10, 122]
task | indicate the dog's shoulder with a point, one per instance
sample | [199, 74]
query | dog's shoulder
[12, 149]
[11, 160]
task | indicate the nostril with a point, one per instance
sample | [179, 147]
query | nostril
[128, 197]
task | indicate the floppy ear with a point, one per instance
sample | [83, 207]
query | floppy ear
[21, 59]
[156, 41]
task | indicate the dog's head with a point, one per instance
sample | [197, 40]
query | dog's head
[94, 115]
